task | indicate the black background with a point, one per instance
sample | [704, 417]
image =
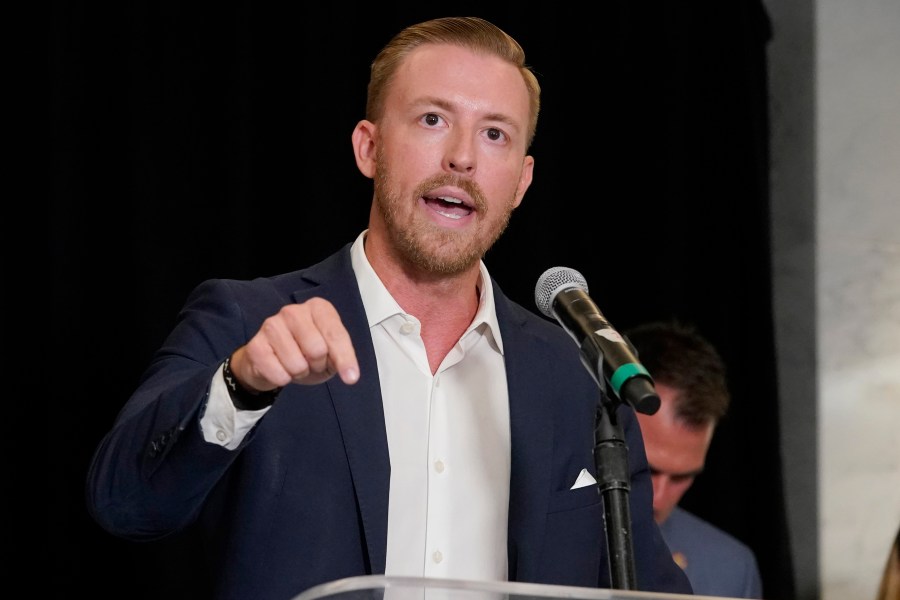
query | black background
[194, 141]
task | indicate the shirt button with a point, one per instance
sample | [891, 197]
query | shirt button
[407, 328]
[437, 556]
[439, 466]
[220, 435]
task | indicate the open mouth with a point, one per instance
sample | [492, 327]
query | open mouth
[448, 206]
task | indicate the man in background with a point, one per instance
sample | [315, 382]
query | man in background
[691, 383]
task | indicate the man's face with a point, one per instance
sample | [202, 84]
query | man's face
[675, 451]
[449, 157]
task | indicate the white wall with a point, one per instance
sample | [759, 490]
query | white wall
[835, 105]
[858, 224]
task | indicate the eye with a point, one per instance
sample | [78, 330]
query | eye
[432, 120]
[495, 135]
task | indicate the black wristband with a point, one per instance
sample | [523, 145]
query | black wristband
[241, 397]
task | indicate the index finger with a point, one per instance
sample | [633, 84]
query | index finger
[341, 354]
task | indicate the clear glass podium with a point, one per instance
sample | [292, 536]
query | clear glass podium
[382, 587]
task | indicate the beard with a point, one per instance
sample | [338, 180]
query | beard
[426, 246]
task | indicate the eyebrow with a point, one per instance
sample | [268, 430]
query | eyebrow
[449, 107]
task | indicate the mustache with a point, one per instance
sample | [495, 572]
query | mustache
[446, 179]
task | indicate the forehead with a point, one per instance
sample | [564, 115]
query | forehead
[670, 445]
[472, 81]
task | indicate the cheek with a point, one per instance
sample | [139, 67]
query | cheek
[405, 152]
[680, 487]
[500, 184]
[403, 166]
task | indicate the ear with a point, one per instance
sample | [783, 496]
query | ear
[364, 147]
[524, 179]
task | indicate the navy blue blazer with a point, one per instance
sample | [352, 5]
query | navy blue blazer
[304, 499]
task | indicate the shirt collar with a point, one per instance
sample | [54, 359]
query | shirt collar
[380, 305]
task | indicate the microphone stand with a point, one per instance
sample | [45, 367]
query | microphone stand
[611, 458]
[562, 294]
[613, 481]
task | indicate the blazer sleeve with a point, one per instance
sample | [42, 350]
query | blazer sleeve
[151, 473]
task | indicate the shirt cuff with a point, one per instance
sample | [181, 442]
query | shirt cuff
[223, 424]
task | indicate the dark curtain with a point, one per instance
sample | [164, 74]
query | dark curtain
[193, 141]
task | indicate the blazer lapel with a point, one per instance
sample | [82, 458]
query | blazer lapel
[360, 412]
[359, 407]
[531, 431]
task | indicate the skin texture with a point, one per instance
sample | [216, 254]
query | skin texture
[449, 161]
[675, 450]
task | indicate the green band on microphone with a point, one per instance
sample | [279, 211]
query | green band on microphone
[626, 372]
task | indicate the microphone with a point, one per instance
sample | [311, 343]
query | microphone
[562, 294]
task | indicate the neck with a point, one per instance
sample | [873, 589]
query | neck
[445, 305]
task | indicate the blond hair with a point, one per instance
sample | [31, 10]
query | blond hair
[473, 33]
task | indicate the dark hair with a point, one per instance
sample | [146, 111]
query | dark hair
[678, 356]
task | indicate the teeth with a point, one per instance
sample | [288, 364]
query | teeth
[448, 215]
[450, 199]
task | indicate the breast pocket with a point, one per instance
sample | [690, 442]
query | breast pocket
[566, 500]
[574, 537]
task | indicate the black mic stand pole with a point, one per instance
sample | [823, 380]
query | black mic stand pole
[613, 481]
[611, 458]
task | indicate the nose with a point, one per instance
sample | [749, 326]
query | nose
[459, 156]
[662, 493]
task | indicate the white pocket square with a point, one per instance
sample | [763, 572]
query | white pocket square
[584, 479]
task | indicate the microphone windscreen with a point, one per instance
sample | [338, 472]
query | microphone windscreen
[552, 282]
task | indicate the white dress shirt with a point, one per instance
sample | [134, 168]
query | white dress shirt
[448, 437]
